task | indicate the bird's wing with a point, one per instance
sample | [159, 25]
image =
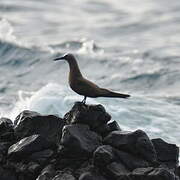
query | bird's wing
[87, 88]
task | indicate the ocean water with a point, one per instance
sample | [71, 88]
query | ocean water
[127, 46]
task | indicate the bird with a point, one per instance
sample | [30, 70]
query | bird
[83, 86]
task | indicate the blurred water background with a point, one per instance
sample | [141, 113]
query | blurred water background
[129, 46]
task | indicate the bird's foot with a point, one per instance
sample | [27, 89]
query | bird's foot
[84, 101]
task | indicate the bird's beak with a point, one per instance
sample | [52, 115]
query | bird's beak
[59, 58]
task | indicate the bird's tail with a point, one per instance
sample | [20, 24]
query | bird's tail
[108, 93]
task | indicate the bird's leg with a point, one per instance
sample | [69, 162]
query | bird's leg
[84, 100]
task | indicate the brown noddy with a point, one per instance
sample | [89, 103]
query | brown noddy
[83, 86]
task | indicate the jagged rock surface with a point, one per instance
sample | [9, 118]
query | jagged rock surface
[6, 130]
[130, 160]
[79, 139]
[29, 123]
[82, 146]
[28, 146]
[137, 143]
[47, 173]
[7, 174]
[103, 155]
[91, 175]
[152, 174]
[92, 115]
[166, 153]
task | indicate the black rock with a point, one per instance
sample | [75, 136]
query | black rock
[114, 126]
[117, 171]
[178, 171]
[166, 153]
[79, 140]
[42, 157]
[66, 158]
[67, 175]
[92, 115]
[85, 166]
[91, 175]
[6, 130]
[136, 142]
[4, 146]
[7, 174]
[33, 168]
[130, 161]
[29, 123]
[105, 129]
[69, 162]
[27, 146]
[103, 156]
[28, 171]
[47, 173]
[5, 124]
[17, 167]
[152, 174]
[142, 172]
[3, 150]
[24, 115]
[75, 151]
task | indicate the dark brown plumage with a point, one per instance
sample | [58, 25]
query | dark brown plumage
[83, 86]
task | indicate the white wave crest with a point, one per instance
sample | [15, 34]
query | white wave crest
[50, 99]
[7, 31]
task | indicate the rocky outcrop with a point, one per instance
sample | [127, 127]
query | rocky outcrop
[81, 139]
[167, 153]
[28, 146]
[103, 156]
[94, 116]
[137, 143]
[6, 130]
[29, 123]
[91, 175]
[152, 173]
[84, 145]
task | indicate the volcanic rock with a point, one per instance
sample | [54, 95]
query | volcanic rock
[29, 123]
[51, 148]
[27, 146]
[47, 173]
[5, 125]
[105, 129]
[152, 174]
[117, 171]
[131, 161]
[92, 115]
[6, 130]
[64, 176]
[137, 143]
[6, 174]
[28, 171]
[42, 156]
[80, 140]
[166, 153]
[3, 150]
[86, 166]
[178, 171]
[91, 175]
[103, 156]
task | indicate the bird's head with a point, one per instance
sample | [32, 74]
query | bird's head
[67, 57]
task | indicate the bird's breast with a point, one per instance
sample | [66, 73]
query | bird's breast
[73, 83]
